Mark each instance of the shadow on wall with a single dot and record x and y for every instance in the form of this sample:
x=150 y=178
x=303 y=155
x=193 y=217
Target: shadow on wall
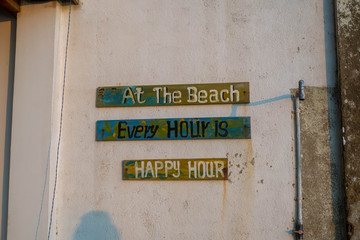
x=96 y=225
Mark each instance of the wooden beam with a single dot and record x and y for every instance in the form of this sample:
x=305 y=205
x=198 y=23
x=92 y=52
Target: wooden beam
x=10 y=5
x=66 y=2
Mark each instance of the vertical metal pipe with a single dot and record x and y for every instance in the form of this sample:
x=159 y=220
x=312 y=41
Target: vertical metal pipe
x=299 y=221
x=300 y=95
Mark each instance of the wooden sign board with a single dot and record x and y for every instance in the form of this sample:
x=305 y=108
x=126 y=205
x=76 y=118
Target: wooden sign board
x=170 y=95
x=174 y=129
x=176 y=169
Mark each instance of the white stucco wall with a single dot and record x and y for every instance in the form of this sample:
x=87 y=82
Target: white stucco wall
x=271 y=44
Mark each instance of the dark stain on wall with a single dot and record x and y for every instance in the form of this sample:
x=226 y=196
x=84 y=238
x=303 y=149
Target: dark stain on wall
x=348 y=46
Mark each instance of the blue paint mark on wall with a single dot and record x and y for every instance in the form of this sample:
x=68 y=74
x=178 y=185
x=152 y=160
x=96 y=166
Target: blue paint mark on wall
x=274 y=99
x=96 y=225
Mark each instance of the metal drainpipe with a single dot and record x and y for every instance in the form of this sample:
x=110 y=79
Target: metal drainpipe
x=299 y=230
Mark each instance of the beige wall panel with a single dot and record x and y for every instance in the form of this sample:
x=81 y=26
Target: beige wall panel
x=5 y=29
x=31 y=127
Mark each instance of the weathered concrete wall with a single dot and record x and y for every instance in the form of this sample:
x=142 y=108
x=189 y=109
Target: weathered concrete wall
x=348 y=37
x=316 y=168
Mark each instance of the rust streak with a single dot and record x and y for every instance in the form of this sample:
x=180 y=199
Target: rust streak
x=223 y=210
x=223 y=202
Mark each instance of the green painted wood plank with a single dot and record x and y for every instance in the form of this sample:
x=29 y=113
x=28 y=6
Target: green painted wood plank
x=174 y=129
x=176 y=169
x=171 y=95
